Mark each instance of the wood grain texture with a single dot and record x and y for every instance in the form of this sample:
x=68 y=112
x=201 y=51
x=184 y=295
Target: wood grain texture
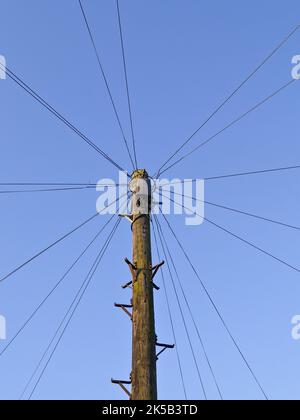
x=144 y=381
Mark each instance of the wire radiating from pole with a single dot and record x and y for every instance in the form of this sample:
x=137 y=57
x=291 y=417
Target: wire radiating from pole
x=106 y=81
x=3 y=192
x=53 y=244
x=240 y=238
x=216 y=309
x=46 y=105
x=190 y=312
x=244 y=213
x=257 y=248
x=181 y=311
x=236 y=175
x=60 y=184
x=237 y=120
x=34 y=313
x=258 y=172
x=170 y=317
x=127 y=85
x=253 y=73
x=70 y=312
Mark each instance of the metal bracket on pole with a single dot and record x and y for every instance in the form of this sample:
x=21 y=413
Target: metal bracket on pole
x=122 y=385
x=125 y=309
x=164 y=348
x=134 y=271
x=155 y=287
x=156 y=268
x=154 y=272
x=132 y=268
x=129 y=284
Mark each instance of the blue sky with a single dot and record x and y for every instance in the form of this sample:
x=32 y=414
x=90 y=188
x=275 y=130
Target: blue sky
x=184 y=58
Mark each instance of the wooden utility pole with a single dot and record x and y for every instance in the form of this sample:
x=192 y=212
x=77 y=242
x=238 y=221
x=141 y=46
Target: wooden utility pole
x=144 y=341
x=143 y=377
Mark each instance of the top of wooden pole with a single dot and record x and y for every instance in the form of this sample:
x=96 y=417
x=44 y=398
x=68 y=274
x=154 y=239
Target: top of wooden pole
x=140 y=173
x=140 y=186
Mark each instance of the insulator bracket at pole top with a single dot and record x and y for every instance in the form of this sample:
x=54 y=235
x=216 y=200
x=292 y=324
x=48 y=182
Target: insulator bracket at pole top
x=128 y=217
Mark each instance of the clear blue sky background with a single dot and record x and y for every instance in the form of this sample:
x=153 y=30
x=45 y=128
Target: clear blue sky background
x=184 y=57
